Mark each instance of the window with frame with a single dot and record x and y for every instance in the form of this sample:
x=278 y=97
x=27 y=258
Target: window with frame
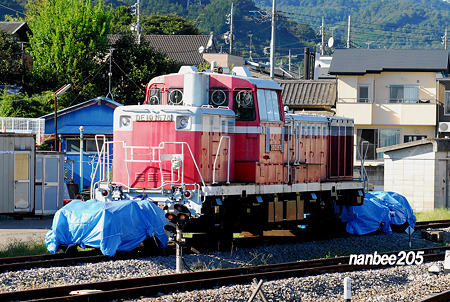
x=269 y=107
x=447 y=102
x=376 y=138
x=412 y=138
x=363 y=93
x=218 y=96
x=175 y=96
x=89 y=145
x=244 y=105
x=154 y=96
x=403 y=94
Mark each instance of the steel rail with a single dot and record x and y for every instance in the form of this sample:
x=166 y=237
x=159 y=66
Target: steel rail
x=150 y=286
x=432 y=224
x=48 y=260
x=441 y=297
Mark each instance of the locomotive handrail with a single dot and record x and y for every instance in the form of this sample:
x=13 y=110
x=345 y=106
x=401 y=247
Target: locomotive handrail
x=102 y=157
x=101 y=154
x=217 y=155
x=161 y=145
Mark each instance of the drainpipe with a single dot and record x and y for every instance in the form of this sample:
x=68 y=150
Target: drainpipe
x=81 y=158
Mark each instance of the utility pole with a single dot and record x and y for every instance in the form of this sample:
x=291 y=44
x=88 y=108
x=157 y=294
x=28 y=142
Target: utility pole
x=322 y=33
x=272 y=42
x=289 y=60
x=250 y=52
x=348 y=33
x=444 y=39
x=231 y=29
x=136 y=10
x=139 y=21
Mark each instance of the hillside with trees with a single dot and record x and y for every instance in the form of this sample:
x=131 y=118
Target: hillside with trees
x=374 y=23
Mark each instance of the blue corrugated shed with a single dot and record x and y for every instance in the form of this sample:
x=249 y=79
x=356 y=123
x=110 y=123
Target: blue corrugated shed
x=96 y=116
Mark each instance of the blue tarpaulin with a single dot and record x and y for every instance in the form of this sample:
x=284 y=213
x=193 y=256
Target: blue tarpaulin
x=379 y=211
x=110 y=226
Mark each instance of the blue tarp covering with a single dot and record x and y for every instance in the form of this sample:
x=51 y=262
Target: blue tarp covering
x=379 y=211
x=110 y=226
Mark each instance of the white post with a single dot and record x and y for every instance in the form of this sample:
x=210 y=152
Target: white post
x=348 y=33
x=179 y=251
x=347 y=289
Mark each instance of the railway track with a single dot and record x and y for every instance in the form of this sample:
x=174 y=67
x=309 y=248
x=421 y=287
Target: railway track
x=432 y=224
x=63 y=259
x=441 y=297
x=151 y=286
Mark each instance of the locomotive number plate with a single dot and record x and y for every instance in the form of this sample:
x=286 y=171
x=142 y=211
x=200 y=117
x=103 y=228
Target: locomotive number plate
x=153 y=117
x=275 y=147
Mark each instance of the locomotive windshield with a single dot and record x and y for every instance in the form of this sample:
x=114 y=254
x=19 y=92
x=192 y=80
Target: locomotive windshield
x=269 y=107
x=154 y=96
x=218 y=97
x=244 y=105
x=175 y=96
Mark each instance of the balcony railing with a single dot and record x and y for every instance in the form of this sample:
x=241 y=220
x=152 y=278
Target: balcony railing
x=386 y=112
x=385 y=101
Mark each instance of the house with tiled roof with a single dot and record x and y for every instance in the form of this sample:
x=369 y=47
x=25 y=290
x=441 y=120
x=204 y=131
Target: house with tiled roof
x=186 y=49
x=18 y=30
x=392 y=96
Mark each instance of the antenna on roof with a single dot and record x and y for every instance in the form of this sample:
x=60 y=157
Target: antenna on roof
x=109 y=95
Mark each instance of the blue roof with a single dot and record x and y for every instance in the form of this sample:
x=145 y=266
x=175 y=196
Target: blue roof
x=81 y=105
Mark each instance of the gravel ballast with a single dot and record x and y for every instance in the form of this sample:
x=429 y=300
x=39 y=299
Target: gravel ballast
x=394 y=283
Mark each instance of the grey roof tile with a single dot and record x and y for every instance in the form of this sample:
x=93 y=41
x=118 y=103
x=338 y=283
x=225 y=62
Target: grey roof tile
x=182 y=48
x=308 y=92
x=362 y=61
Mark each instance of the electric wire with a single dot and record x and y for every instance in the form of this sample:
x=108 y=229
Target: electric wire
x=19 y=12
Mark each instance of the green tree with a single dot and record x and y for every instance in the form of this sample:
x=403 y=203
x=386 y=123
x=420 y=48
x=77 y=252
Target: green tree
x=11 y=67
x=170 y=24
x=134 y=66
x=155 y=24
x=20 y=105
x=69 y=37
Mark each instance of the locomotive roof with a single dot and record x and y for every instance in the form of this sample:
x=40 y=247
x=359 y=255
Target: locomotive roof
x=258 y=82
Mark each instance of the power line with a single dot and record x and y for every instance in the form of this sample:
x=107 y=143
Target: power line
x=12 y=9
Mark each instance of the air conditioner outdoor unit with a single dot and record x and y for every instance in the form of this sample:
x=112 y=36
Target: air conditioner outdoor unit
x=444 y=127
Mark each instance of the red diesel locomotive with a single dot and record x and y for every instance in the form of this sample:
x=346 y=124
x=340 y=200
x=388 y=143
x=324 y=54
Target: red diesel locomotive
x=222 y=145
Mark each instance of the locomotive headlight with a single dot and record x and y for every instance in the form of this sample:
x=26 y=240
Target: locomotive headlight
x=125 y=121
x=182 y=122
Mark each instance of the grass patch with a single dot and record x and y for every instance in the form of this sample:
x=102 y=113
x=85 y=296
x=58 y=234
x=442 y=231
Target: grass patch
x=23 y=248
x=436 y=214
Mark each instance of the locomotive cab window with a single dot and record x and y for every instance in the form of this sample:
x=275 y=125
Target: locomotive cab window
x=218 y=97
x=244 y=105
x=175 y=96
x=154 y=96
x=269 y=107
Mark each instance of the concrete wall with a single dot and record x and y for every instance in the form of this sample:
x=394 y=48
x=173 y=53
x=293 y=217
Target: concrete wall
x=412 y=172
